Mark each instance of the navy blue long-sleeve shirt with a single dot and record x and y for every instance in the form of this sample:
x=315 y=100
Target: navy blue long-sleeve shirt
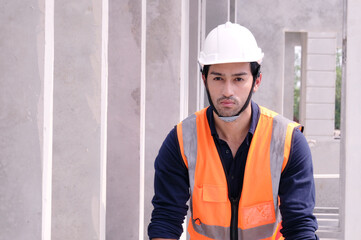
x=171 y=184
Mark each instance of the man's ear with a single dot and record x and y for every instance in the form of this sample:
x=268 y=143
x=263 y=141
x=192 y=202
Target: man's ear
x=204 y=80
x=257 y=83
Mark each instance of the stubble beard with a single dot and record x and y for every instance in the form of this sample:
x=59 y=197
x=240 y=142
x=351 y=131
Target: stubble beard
x=228 y=111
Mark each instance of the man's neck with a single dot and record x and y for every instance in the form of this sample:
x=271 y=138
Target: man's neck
x=234 y=132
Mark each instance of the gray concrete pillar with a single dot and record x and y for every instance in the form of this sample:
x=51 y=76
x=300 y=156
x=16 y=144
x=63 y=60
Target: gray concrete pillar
x=193 y=67
x=21 y=110
x=351 y=128
x=162 y=93
x=124 y=109
x=76 y=136
x=216 y=14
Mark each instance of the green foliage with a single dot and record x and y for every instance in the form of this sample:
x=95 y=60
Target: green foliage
x=297 y=85
x=338 y=89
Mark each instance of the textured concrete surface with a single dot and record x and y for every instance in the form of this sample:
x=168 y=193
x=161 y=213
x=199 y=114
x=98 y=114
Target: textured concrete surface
x=216 y=13
x=76 y=146
x=277 y=18
x=326 y=156
x=123 y=173
x=21 y=69
x=162 y=84
x=194 y=79
x=328 y=192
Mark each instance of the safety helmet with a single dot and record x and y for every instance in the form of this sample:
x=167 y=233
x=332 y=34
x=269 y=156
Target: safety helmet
x=230 y=43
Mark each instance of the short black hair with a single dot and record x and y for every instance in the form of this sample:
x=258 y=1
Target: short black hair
x=255 y=70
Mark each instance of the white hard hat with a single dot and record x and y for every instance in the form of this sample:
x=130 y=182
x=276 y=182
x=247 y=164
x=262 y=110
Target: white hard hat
x=229 y=43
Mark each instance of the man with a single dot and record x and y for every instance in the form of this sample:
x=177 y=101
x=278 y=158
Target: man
x=240 y=164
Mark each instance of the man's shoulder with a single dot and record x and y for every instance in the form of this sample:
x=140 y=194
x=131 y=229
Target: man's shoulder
x=204 y=111
x=271 y=113
x=267 y=112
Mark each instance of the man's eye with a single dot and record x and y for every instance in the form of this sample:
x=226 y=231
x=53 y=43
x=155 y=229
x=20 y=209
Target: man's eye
x=217 y=78
x=239 y=79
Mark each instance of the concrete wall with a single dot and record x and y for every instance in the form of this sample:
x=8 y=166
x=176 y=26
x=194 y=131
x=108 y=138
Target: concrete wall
x=194 y=79
x=270 y=22
x=76 y=135
x=162 y=92
x=21 y=110
x=124 y=107
x=143 y=83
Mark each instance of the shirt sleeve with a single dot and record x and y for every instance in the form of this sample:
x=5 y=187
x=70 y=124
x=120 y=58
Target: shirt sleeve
x=297 y=192
x=171 y=191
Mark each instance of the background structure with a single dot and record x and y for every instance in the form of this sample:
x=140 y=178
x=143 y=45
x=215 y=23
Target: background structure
x=89 y=90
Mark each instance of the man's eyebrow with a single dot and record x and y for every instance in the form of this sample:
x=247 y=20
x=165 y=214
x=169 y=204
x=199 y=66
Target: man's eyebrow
x=233 y=75
x=217 y=73
x=239 y=74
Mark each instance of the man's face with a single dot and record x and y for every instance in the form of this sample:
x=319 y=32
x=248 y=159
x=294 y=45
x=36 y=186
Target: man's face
x=229 y=85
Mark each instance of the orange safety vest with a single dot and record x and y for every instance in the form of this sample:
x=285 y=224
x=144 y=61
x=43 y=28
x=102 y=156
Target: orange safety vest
x=211 y=209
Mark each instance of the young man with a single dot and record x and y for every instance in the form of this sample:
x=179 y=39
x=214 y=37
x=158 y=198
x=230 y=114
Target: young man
x=240 y=164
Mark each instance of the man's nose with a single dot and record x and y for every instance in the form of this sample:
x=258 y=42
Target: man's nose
x=227 y=89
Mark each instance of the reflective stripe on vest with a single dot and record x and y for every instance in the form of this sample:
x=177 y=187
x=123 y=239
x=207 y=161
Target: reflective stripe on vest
x=279 y=148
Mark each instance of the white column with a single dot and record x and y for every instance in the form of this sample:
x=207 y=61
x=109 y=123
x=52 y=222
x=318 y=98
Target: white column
x=320 y=85
x=48 y=120
x=351 y=128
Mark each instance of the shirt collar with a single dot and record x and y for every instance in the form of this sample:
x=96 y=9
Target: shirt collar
x=252 y=128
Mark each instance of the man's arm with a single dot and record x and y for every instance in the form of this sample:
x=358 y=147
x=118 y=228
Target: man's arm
x=171 y=191
x=297 y=192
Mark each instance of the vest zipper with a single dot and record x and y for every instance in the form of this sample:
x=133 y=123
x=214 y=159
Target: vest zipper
x=234 y=201
x=234 y=218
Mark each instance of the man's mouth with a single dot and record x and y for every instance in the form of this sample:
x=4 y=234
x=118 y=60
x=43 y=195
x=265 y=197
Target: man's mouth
x=227 y=103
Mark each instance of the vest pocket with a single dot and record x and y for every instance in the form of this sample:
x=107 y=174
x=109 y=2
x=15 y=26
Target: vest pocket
x=214 y=193
x=257 y=215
